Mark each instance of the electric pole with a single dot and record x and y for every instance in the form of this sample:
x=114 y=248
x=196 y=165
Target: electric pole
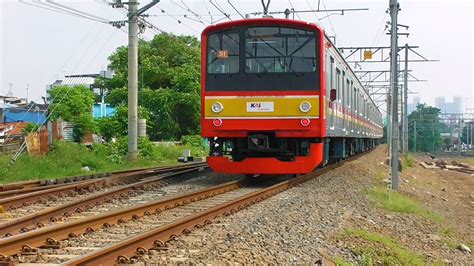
x=132 y=79
x=133 y=30
x=414 y=136
x=405 y=105
x=459 y=133
x=394 y=88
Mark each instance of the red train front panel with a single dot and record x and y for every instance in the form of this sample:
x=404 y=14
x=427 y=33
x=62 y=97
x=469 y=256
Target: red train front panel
x=262 y=96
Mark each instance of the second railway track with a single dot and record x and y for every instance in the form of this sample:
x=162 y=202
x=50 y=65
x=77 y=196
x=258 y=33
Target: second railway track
x=36 y=216
x=53 y=192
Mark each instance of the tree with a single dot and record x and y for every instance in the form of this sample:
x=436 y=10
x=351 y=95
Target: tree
x=428 y=137
x=169 y=78
x=171 y=114
x=117 y=125
x=73 y=104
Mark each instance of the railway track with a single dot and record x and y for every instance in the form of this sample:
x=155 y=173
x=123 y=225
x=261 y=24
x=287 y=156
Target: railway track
x=19 y=188
x=82 y=187
x=130 y=234
x=58 y=211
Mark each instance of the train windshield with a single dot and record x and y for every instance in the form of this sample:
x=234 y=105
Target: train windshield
x=263 y=58
x=278 y=49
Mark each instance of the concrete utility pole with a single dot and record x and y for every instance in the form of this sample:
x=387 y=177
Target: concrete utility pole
x=394 y=87
x=132 y=79
x=459 y=133
x=414 y=136
x=405 y=105
x=133 y=14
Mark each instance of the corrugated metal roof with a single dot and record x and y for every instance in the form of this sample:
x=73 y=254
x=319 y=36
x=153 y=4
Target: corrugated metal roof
x=7 y=105
x=71 y=81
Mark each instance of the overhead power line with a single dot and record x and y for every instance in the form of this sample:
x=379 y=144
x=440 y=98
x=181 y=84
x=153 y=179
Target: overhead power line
x=91 y=16
x=53 y=8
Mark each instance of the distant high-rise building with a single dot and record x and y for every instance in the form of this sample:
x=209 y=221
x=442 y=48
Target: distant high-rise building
x=412 y=106
x=456 y=106
x=440 y=102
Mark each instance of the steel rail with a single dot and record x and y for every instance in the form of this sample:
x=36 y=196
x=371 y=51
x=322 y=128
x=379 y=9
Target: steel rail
x=14 y=189
x=37 y=238
x=28 y=198
x=128 y=250
x=25 y=223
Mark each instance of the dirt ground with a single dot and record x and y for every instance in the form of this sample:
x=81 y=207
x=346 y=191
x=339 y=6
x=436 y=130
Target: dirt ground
x=332 y=220
x=449 y=193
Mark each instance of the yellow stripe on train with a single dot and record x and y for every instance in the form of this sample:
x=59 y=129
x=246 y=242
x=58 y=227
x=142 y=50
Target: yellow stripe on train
x=261 y=106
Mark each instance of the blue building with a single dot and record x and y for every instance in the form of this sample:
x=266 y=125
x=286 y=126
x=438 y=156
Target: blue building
x=103 y=110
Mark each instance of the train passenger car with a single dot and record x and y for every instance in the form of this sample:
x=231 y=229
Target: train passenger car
x=278 y=98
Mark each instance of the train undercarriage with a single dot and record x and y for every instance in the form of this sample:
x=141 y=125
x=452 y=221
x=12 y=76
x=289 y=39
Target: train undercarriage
x=264 y=153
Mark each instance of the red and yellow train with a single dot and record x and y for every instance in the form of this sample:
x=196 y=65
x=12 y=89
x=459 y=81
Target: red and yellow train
x=278 y=98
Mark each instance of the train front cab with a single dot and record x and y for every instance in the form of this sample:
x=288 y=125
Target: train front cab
x=261 y=106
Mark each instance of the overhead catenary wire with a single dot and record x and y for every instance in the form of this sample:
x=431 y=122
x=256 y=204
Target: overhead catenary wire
x=217 y=6
x=236 y=10
x=329 y=18
x=311 y=8
x=293 y=8
x=186 y=8
x=178 y=20
x=380 y=32
x=208 y=11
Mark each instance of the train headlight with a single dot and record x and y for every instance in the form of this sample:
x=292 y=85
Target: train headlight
x=217 y=107
x=305 y=107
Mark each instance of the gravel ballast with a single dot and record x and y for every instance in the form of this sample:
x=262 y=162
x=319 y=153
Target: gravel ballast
x=302 y=225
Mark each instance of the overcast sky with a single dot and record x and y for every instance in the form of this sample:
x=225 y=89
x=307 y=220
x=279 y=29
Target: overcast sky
x=39 y=46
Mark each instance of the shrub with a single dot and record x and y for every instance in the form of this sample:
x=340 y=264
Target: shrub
x=193 y=141
x=31 y=127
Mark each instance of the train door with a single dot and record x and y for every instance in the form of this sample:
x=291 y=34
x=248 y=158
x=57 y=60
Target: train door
x=344 y=104
x=352 y=106
x=358 y=111
x=331 y=86
x=348 y=106
x=338 y=100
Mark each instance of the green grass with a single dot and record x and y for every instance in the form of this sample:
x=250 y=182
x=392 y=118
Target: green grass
x=66 y=159
x=377 y=249
x=408 y=161
x=468 y=160
x=397 y=202
x=380 y=176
